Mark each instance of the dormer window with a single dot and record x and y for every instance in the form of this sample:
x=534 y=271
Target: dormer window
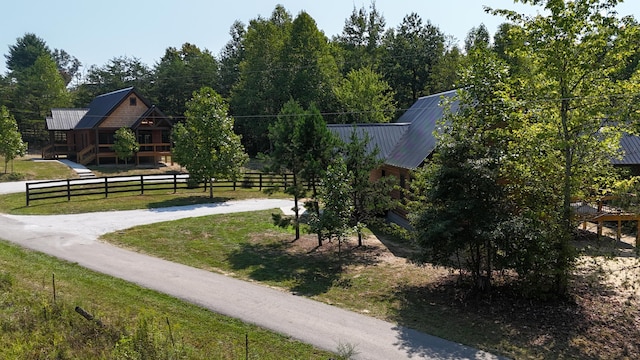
x=133 y=101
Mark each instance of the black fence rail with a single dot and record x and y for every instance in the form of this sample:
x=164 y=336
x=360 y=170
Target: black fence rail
x=139 y=184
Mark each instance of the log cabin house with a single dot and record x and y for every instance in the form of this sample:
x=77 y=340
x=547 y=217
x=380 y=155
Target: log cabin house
x=87 y=135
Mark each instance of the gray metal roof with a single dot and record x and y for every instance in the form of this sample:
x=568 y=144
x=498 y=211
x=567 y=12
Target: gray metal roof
x=418 y=142
x=383 y=136
x=630 y=145
x=65 y=119
x=104 y=104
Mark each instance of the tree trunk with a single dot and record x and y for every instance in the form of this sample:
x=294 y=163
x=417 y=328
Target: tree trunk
x=210 y=188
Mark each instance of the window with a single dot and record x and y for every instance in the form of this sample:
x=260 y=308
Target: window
x=133 y=101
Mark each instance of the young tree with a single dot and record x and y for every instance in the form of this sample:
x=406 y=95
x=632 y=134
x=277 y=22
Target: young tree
x=11 y=144
x=366 y=198
x=284 y=156
x=206 y=144
x=365 y=97
x=334 y=220
x=302 y=144
x=125 y=144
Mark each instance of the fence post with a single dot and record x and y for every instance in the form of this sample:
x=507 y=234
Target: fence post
x=260 y=183
x=285 y=180
x=142 y=184
x=106 y=188
x=27 y=192
x=234 y=184
x=175 y=183
x=68 y=190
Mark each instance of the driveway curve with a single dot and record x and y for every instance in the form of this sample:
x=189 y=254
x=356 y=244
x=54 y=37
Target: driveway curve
x=75 y=238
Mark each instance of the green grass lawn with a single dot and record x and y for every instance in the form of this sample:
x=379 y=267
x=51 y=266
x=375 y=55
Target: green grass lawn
x=371 y=281
x=16 y=203
x=29 y=168
x=136 y=322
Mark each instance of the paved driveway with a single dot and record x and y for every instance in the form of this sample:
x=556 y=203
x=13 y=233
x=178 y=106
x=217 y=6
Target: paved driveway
x=74 y=238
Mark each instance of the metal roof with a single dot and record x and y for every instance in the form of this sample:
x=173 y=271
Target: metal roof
x=104 y=104
x=383 y=136
x=630 y=145
x=418 y=142
x=65 y=119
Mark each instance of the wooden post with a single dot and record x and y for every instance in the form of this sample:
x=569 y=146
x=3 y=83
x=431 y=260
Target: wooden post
x=637 y=234
x=68 y=190
x=27 y=192
x=175 y=183
x=106 y=188
x=141 y=184
x=260 y=183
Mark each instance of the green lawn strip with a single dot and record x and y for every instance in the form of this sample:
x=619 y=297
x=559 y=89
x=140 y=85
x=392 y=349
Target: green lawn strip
x=249 y=246
x=16 y=203
x=26 y=168
x=133 y=319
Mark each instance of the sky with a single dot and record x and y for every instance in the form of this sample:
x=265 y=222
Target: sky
x=97 y=31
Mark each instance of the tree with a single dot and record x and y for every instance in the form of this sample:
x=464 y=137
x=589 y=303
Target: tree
x=116 y=74
x=445 y=73
x=365 y=98
x=179 y=73
x=68 y=65
x=284 y=156
x=11 y=144
x=39 y=88
x=230 y=58
x=333 y=221
x=575 y=47
x=302 y=144
x=125 y=144
x=477 y=37
x=462 y=200
x=25 y=52
x=261 y=90
x=410 y=53
x=365 y=198
x=361 y=38
x=206 y=144
x=311 y=69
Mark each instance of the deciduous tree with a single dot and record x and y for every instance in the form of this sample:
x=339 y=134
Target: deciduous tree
x=11 y=144
x=410 y=53
x=206 y=144
x=575 y=47
x=365 y=97
x=179 y=73
x=125 y=144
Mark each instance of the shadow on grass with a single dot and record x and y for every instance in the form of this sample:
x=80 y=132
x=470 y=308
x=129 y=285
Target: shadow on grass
x=303 y=270
x=589 y=324
x=186 y=201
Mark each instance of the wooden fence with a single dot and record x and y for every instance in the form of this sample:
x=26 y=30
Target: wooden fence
x=139 y=184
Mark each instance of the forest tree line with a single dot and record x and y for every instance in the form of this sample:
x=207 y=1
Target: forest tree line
x=368 y=73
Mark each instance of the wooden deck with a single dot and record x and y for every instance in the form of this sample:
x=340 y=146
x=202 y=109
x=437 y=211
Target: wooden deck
x=598 y=212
